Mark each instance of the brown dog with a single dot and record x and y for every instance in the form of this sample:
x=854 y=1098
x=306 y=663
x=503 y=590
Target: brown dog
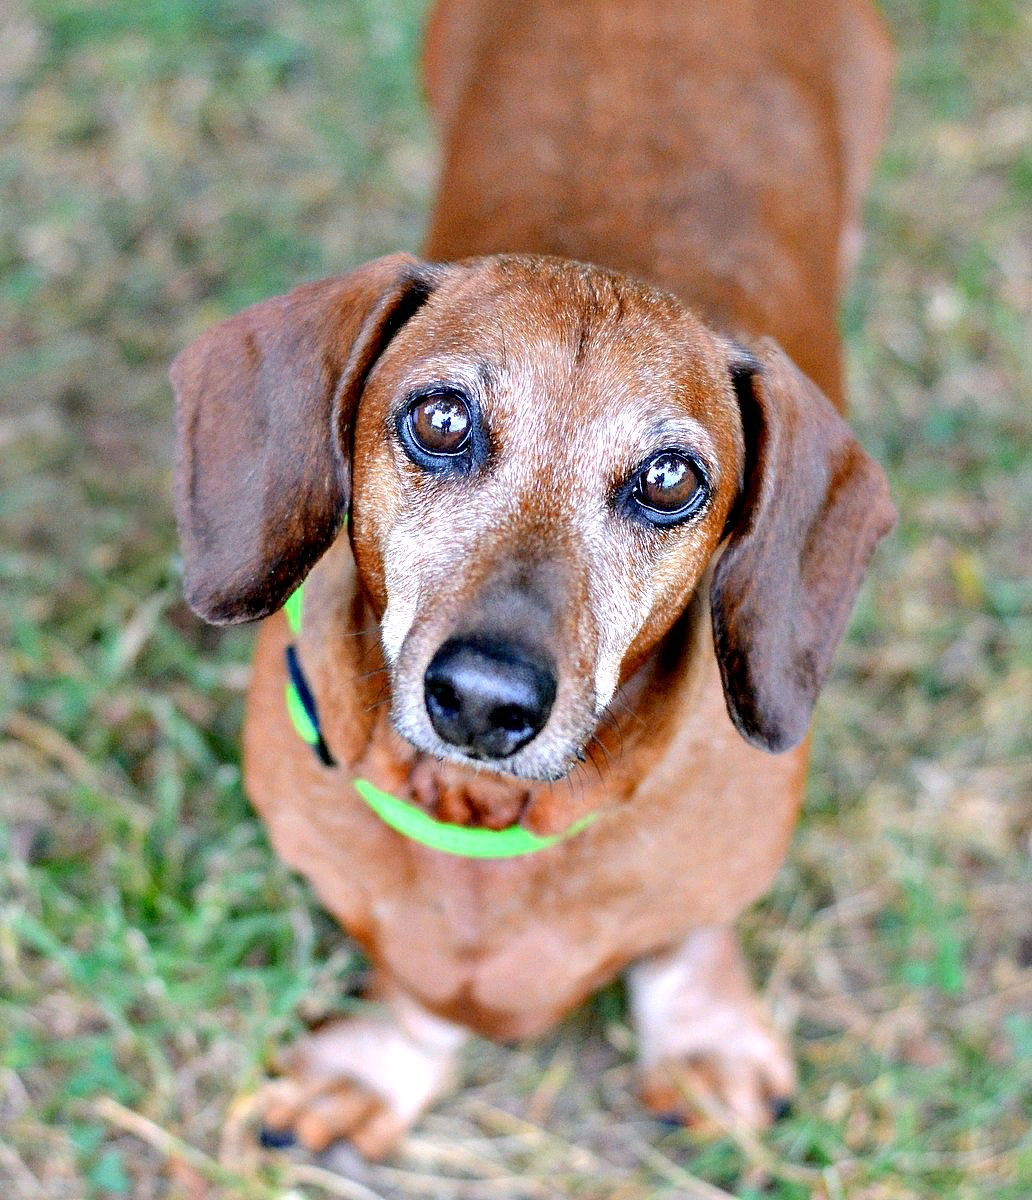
x=584 y=525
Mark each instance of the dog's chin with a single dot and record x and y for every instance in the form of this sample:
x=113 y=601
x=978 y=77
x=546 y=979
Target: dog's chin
x=532 y=764
x=510 y=768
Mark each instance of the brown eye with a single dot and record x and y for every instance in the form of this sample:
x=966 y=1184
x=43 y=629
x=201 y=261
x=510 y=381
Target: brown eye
x=671 y=486
x=440 y=424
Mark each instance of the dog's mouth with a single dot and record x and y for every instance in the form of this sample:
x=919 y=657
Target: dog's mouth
x=481 y=813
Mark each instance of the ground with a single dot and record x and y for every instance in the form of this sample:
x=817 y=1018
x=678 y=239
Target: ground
x=166 y=162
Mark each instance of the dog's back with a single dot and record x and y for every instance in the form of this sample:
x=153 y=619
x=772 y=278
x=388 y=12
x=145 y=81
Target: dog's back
x=719 y=151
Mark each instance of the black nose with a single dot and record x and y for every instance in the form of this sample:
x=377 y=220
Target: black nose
x=487 y=696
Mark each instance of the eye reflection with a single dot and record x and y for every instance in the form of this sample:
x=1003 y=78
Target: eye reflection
x=670 y=483
x=440 y=424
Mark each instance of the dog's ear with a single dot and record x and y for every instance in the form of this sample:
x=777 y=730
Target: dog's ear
x=812 y=509
x=265 y=402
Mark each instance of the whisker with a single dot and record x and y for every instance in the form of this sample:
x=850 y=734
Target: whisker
x=621 y=700
x=366 y=632
x=605 y=751
x=618 y=729
x=591 y=758
x=378 y=702
x=585 y=782
x=575 y=780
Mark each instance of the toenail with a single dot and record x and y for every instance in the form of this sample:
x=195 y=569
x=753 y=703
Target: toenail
x=780 y=1108
x=275 y=1139
x=672 y=1120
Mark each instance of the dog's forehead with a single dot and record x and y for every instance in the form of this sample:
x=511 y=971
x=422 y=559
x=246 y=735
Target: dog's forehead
x=536 y=307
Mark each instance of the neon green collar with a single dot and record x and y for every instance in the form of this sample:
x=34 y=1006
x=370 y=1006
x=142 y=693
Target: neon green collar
x=405 y=818
x=468 y=842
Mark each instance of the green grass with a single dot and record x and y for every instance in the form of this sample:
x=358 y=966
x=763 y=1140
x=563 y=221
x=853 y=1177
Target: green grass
x=164 y=164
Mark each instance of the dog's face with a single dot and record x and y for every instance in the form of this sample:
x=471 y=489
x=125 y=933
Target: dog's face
x=540 y=460
x=544 y=460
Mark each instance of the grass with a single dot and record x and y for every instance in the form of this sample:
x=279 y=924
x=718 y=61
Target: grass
x=164 y=164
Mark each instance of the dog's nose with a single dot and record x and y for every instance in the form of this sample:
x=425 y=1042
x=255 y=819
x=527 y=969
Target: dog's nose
x=486 y=696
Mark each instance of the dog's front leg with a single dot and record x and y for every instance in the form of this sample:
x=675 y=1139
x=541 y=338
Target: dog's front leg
x=704 y=1035
x=365 y=1077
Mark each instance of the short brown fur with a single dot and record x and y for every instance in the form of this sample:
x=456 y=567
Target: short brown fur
x=719 y=153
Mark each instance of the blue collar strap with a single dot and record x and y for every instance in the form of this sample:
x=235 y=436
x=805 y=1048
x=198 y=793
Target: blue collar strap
x=303 y=713
x=407 y=819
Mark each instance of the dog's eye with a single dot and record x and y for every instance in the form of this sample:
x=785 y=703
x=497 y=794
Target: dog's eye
x=439 y=431
x=440 y=424
x=670 y=487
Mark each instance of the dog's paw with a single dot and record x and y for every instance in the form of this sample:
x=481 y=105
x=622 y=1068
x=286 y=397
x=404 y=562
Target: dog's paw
x=364 y=1078
x=726 y=1086
x=707 y=1051
x=317 y=1115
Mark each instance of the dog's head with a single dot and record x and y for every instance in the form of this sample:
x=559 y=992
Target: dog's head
x=541 y=460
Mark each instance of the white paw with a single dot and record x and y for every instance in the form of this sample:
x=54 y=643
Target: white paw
x=704 y=1037
x=366 y=1078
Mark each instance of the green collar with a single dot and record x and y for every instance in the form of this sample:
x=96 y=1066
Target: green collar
x=407 y=819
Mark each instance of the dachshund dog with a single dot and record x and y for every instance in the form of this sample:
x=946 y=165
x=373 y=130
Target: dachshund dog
x=578 y=541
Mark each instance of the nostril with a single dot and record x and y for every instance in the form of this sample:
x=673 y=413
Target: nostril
x=511 y=718
x=444 y=695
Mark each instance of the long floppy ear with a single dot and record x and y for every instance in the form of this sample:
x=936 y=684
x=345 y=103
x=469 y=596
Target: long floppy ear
x=265 y=402
x=813 y=508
